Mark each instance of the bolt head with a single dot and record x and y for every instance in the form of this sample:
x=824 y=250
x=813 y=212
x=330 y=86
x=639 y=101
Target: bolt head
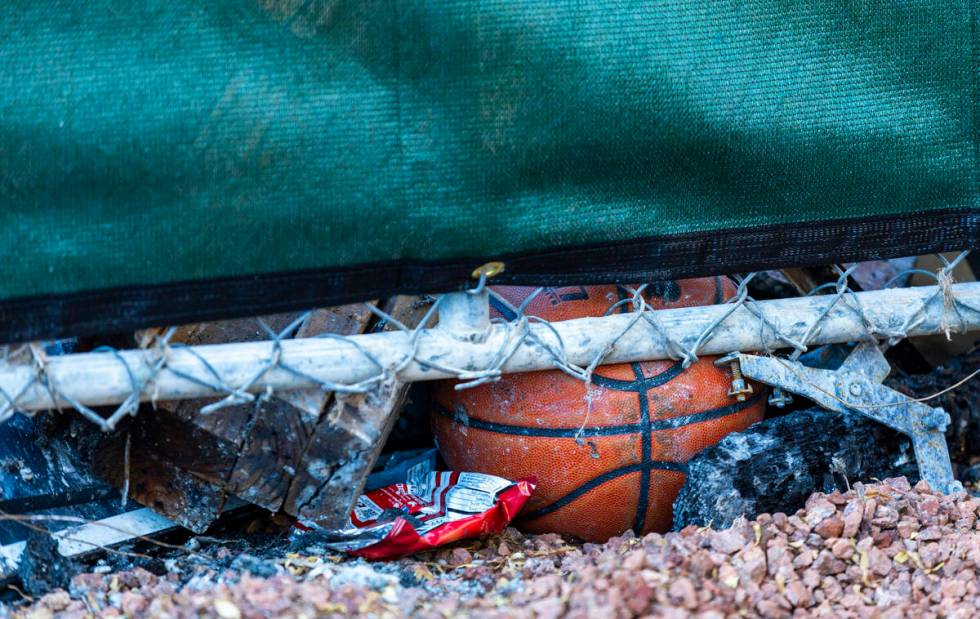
x=854 y=389
x=779 y=398
x=740 y=389
x=938 y=419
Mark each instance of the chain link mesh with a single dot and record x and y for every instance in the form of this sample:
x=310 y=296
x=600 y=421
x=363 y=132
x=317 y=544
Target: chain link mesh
x=158 y=350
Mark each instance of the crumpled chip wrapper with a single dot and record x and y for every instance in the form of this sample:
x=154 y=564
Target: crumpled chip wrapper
x=432 y=508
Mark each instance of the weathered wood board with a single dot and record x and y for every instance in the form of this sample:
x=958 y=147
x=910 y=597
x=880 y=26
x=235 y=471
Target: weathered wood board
x=184 y=463
x=348 y=440
x=287 y=452
x=179 y=460
x=280 y=429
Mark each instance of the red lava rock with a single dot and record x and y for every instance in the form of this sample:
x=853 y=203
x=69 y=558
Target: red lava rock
x=878 y=562
x=928 y=507
x=798 y=594
x=966 y=522
x=56 y=600
x=460 y=556
x=885 y=517
x=832 y=526
x=549 y=608
x=682 y=592
x=898 y=483
x=753 y=564
x=827 y=564
x=870 y=506
x=884 y=539
x=930 y=534
x=818 y=508
x=907 y=527
x=727 y=541
x=132 y=603
x=728 y=576
x=634 y=560
x=771 y=609
x=811 y=578
x=780 y=521
x=805 y=558
x=842 y=549
x=922 y=487
x=953 y=589
x=777 y=555
x=831 y=588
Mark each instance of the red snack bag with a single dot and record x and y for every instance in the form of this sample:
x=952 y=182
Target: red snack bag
x=431 y=509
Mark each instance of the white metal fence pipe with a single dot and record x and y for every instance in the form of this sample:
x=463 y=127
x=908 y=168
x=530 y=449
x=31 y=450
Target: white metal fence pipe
x=104 y=378
x=465 y=312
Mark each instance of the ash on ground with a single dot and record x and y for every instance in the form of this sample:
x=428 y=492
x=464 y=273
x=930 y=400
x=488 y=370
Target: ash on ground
x=883 y=550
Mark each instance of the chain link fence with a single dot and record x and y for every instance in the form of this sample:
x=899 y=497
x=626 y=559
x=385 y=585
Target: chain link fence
x=27 y=367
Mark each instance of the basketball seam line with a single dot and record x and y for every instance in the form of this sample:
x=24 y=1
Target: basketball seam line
x=597 y=431
x=598 y=480
x=641 y=381
x=646 y=455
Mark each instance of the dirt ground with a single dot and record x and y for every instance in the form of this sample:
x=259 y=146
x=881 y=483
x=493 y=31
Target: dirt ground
x=882 y=550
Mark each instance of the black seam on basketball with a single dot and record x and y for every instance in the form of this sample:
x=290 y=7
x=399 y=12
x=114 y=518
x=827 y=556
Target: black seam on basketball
x=646 y=455
x=641 y=382
x=598 y=481
x=719 y=291
x=597 y=431
x=708 y=415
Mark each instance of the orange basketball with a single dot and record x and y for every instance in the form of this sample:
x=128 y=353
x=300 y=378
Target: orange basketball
x=617 y=466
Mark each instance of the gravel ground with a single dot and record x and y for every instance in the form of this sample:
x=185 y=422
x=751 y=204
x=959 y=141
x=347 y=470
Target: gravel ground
x=882 y=550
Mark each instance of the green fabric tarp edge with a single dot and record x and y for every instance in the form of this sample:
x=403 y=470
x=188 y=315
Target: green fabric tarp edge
x=125 y=309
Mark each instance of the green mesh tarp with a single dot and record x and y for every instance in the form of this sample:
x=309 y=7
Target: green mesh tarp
x=172 y=161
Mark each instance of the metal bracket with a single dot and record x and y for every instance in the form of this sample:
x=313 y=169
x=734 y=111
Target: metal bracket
x=856 y=387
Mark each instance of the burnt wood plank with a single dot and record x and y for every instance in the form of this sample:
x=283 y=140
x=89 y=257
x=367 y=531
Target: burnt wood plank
x=180 y=459
x=281 y=427
x=160 y=484
x=348 y=439
x=184 y=463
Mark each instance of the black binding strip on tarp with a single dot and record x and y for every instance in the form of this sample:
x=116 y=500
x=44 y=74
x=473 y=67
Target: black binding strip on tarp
x=122 y=309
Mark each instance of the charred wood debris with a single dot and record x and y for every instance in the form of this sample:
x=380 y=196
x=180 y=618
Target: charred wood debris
x=225 y=489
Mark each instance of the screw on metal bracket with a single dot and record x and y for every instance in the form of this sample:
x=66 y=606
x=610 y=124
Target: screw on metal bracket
x=740 y=388
x=780 y=398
